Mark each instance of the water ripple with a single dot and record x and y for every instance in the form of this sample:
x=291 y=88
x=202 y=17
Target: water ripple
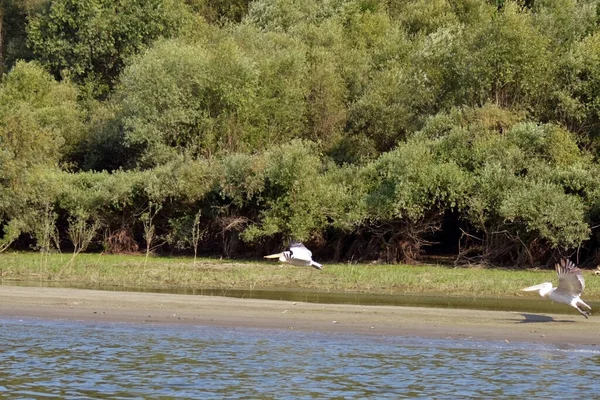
x=43 y=358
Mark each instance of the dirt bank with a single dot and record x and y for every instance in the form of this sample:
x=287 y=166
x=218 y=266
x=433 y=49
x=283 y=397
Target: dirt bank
x=94 y=305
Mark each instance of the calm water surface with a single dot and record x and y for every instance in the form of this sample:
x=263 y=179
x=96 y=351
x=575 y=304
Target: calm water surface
x=73 y=360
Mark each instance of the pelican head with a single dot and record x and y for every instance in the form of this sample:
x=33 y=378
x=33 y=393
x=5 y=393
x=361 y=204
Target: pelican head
x=544 y=288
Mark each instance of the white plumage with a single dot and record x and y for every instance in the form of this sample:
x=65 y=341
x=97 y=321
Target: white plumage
x=297 y=254
x=570 y=286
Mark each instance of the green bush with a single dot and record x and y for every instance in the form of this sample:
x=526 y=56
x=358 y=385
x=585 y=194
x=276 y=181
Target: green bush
x=407 y=192
x=294 y=197
x=544 y=212
x=42 y=122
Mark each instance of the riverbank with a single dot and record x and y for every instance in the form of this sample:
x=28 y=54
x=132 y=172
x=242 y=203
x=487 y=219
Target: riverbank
x=138 y=272
x=153 y=308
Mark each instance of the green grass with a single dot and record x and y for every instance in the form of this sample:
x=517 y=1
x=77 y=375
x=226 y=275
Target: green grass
x=133 y=271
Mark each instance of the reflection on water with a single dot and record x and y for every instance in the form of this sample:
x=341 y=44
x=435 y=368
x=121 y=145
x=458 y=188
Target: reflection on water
x=531 y=303
x=116 y=360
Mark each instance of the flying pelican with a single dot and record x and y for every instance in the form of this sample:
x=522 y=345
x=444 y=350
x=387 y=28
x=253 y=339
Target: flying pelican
x=297 y=255
x=570 y=287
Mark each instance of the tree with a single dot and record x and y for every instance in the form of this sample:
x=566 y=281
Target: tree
x=407 y=192
x=40 y=126
x=529 y=185
x=90 y=40
x=13 y=35
x=239 y=94
x=41 y=120
x=543 y=213
x=565 y=22
x=504 y=60
x=422 y=16
x=187 y=99
x=294 y=205
x=220 y=11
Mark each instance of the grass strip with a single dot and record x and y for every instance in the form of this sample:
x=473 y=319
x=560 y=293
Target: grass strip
x=135 y=271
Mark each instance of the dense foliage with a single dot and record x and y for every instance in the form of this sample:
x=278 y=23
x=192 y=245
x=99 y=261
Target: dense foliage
x=372 y=129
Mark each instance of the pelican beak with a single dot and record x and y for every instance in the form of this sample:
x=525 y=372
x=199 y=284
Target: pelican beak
x=274 y=255
x=533 y=288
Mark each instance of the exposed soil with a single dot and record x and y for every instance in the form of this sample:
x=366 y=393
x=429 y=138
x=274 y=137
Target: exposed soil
x=95 y=305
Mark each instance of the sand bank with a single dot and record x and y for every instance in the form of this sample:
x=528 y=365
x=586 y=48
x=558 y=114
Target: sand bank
x=94 y=305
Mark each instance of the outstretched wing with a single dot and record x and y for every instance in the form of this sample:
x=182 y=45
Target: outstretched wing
x=300 y=252
x=570 y=278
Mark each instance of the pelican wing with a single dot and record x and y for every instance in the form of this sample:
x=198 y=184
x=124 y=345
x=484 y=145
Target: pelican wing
x=299 y=252
x=570 y=278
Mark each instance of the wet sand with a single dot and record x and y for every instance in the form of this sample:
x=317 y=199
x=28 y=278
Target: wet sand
x=151 y=308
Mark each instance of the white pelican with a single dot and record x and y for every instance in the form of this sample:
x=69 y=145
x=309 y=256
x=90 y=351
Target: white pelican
x=297 y=255
x=570 y=287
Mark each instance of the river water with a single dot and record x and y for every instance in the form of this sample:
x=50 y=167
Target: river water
x=42 y=358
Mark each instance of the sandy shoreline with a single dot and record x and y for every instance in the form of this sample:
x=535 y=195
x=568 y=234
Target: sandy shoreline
x=94 y=305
